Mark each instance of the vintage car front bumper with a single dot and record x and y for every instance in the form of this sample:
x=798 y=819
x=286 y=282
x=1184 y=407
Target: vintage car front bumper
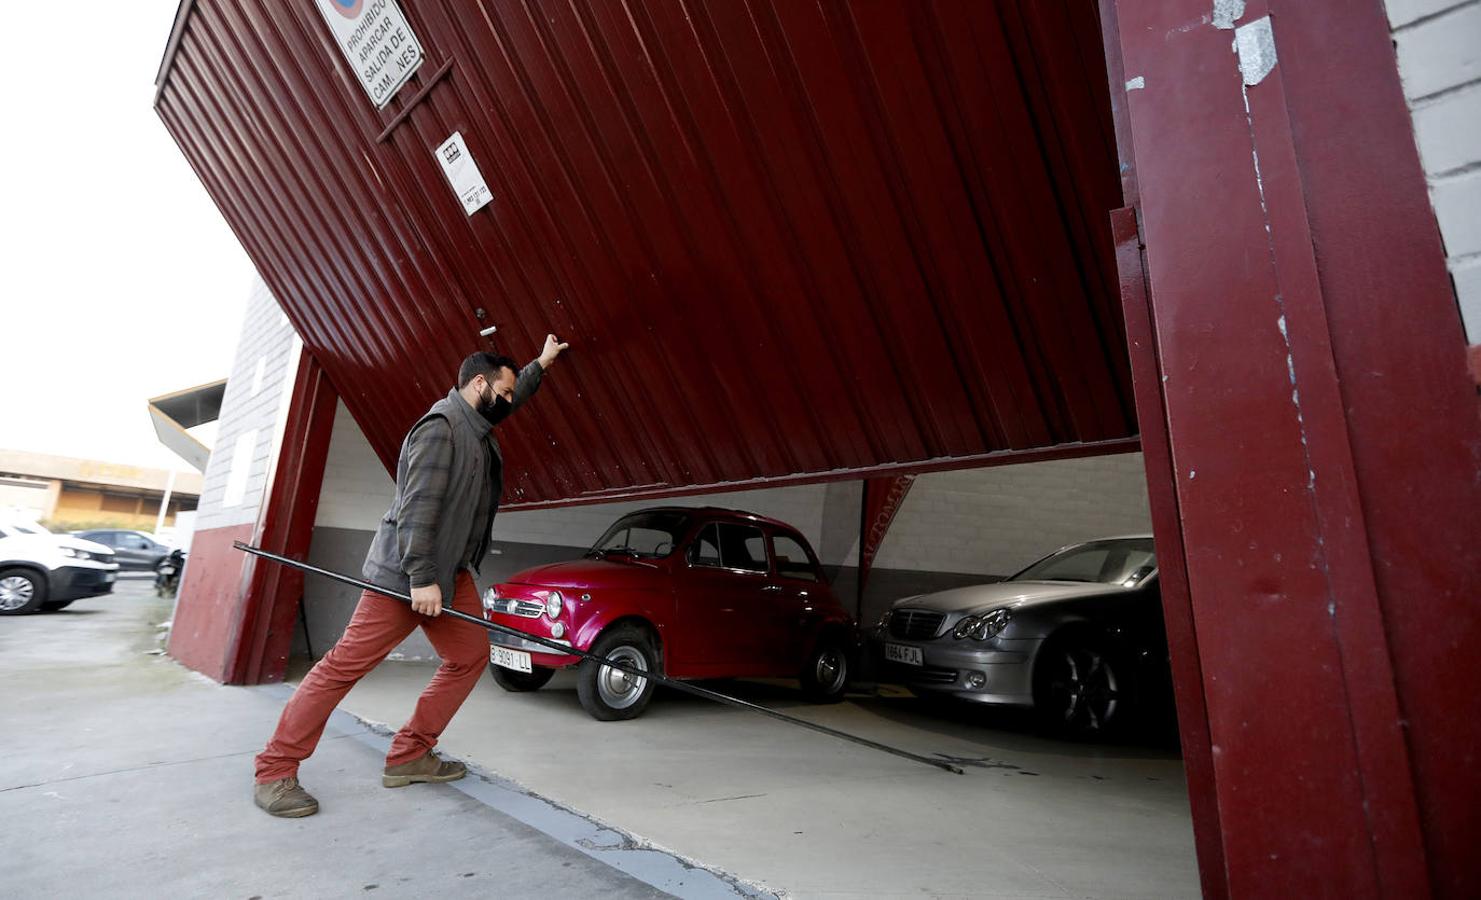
x=540 y=654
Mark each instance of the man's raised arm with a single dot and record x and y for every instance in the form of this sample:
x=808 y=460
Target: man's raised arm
x=529 y=376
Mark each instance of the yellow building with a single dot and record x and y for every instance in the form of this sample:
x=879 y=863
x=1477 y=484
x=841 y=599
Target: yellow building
x=69 y=494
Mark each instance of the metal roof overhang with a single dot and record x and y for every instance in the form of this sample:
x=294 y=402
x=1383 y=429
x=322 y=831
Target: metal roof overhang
x=175 y=412
x=788 y=242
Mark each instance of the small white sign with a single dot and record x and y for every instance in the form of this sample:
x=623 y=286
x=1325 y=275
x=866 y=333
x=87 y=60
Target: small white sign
x=462 y=173
x=376 y=41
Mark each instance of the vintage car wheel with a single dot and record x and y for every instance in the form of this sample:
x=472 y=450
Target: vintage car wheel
x=825 y=674
x=22 y=592
x=519 y=682
x=608 y=694
x=1082 y=688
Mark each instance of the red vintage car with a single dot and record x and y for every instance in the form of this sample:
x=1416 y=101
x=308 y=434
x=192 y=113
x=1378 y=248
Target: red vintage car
x=691 y=593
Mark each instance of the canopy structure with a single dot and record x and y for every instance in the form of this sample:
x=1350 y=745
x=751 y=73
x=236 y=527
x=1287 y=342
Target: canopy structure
x=174 y=413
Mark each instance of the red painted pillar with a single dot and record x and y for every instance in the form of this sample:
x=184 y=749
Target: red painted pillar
x=236 y=616
x=1322 y=436
x=1182 y=638
x=285 y=526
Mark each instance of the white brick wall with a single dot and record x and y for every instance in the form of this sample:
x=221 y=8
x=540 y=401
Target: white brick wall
x=357 y=491
x=987 y=521
x=995 y=521
x=268 y=343
x=1438 y=43
x=984 y=521
x=580 y=526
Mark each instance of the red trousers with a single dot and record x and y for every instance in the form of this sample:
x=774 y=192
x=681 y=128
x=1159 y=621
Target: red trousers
x=379 y=624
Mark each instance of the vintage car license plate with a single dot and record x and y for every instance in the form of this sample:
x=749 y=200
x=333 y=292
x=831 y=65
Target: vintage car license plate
x=517 y=660
x=900 y=653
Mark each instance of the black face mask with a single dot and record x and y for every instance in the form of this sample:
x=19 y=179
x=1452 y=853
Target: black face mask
x=494 y=407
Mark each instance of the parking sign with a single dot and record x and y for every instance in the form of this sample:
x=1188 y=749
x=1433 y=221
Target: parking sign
x=377 y=42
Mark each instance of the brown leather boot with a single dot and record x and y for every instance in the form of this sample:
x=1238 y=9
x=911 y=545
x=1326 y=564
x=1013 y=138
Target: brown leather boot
x=284 y=798
x=428 y=768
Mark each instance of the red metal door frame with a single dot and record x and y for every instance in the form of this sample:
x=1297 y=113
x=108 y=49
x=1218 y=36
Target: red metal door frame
x=285 y=525
x=1182 y=639
x=1312 y=446
x=235 y=618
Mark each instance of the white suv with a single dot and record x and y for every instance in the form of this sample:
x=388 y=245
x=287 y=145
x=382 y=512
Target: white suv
x=41 y=570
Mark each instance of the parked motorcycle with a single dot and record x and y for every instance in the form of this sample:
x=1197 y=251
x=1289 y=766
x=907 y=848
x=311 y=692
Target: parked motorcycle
x=167 y=573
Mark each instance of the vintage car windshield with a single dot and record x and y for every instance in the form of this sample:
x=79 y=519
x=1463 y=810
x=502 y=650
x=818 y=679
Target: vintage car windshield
x=1125 y=562
x=643 y=535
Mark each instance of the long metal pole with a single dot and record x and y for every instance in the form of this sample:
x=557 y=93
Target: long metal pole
x=566 y=649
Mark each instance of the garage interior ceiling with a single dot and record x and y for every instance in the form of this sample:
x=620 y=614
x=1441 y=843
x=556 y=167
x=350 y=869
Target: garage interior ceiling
x=784 y=239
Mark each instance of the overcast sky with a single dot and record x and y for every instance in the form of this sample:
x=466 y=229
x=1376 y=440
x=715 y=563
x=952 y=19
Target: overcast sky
x=121 y=281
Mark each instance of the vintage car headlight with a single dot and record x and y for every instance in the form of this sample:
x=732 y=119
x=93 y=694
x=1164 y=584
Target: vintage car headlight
x=553 y=602
x=558 y=631
x=490 y=599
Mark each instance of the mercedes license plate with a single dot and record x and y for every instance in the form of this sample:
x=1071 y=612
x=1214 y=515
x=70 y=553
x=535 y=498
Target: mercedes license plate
x=900 y=653
x=518 y=660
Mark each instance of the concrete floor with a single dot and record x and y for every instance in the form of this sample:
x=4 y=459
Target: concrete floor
x=810 y=816
x=127 y=776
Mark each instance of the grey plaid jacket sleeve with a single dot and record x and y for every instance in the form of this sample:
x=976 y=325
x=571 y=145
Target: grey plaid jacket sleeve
x=527 y=384
x=428 y=468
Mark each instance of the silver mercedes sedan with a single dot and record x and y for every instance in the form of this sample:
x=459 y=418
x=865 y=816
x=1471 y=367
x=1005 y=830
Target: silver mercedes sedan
x=1077 y=636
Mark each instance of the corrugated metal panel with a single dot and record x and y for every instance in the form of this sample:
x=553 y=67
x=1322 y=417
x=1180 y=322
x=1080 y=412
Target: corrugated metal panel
x=784 y=238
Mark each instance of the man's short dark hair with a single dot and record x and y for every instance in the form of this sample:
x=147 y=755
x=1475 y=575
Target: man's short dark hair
x=485 y=364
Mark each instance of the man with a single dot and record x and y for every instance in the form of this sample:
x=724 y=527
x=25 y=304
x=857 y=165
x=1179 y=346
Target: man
x=448 y=481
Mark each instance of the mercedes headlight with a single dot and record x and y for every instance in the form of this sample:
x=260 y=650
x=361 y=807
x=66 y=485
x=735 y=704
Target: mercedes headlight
x=982 y=628
x=884 y=619
x=990 y=625
x=553 y=601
